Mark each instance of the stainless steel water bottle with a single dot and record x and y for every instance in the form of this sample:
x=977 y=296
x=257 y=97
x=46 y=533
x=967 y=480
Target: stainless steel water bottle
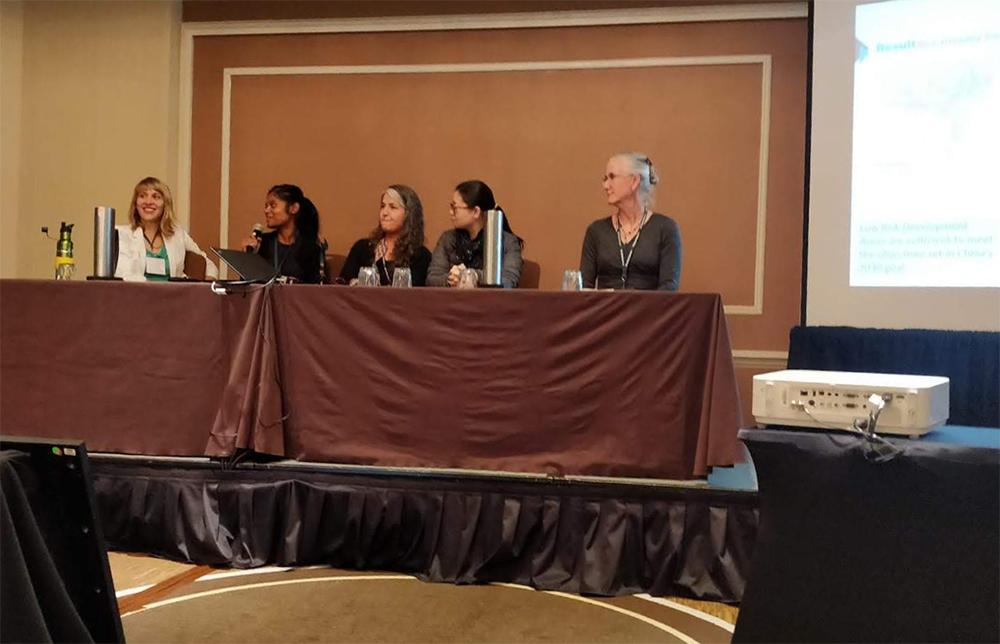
x=493 y=248
x=105 y=252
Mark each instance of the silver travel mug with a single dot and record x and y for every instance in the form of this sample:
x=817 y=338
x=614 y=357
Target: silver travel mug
x=105 y=252
x=493 y=248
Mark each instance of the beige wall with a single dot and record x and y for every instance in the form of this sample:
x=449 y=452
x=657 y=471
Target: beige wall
x=98 y=98
x=11 y=47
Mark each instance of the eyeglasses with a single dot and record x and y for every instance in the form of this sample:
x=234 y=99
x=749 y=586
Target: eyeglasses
x=455 y=207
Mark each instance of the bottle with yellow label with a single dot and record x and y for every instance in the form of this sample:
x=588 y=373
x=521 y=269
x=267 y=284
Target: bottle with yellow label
x=65 y=266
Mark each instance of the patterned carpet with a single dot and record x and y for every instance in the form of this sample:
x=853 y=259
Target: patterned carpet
x=163 y=601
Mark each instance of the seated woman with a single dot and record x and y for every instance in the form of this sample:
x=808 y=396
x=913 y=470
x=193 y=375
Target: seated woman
x=462 y=247
x=397 y=241
x=293 y=246
x=151 y=247
x=634 y=248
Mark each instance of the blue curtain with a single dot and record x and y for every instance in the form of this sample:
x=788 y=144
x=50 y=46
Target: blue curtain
x=971 y=359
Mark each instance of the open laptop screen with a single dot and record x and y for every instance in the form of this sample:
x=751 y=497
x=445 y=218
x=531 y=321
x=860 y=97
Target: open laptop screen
x=250 y=266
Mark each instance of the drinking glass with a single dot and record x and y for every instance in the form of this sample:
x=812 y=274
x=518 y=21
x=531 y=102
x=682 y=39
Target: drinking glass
x=401 y=278
x=469 y=278
x=572 y=281
x=368 y=276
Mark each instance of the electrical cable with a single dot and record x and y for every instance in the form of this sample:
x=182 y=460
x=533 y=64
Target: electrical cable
x=876 y=449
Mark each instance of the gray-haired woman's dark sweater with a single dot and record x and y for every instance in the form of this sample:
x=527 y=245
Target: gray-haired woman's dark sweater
x=656 y=260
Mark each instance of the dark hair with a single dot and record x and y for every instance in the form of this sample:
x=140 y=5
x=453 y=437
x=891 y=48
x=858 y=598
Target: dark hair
x=306 y=226
x=411 y=237
x=476 y=194
x=307 y=218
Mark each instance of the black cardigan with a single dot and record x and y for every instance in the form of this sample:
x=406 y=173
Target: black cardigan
x=363 y=254
x=302 y=262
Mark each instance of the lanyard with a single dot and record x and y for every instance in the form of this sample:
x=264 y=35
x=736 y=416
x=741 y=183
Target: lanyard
x=153 y=241
x=383 y=251
x=279 y=266
x=621 y=246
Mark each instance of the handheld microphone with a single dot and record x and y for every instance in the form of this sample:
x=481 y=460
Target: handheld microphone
x=256 y=233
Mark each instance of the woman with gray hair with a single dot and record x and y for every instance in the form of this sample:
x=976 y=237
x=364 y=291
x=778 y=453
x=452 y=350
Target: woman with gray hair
x=397 y=241
x=634 y=248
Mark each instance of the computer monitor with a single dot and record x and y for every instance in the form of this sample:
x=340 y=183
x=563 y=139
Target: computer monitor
x=48 y=489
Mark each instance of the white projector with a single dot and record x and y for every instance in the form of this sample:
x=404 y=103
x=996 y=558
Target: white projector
x=914 y=405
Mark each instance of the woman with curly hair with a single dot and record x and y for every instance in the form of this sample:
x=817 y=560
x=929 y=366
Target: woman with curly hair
x=397 y=241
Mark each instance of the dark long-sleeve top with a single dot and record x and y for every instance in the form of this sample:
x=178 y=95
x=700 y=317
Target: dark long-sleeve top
x=656 y=260
x=446 y=255
x=363 y=254
x=300 y=260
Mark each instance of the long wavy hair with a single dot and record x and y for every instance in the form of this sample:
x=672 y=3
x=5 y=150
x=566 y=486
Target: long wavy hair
x=167 y=224
x=411 y=236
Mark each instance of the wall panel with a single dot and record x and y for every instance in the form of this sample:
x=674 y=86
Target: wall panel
x=540 y=138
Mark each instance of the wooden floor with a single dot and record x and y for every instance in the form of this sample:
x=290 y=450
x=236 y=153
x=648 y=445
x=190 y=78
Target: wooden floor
x=132 y=571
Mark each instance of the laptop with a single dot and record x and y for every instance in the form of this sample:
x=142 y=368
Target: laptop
x=250 y=266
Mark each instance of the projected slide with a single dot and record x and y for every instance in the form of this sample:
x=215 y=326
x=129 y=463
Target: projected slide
x=925 y=192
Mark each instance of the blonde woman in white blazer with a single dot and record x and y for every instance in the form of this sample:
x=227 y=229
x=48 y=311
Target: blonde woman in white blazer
x=151 y=247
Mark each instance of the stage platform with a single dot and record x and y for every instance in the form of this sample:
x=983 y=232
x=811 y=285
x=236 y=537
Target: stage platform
x=586 y=535
x=580 y=534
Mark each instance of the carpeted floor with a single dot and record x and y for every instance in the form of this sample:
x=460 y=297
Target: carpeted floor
x=179 y=603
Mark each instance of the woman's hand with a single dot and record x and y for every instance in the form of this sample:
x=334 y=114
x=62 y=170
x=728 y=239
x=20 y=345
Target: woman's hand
x=455 y=274
x=250 y=242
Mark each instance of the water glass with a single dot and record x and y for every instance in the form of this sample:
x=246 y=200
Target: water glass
x=469 y=278
x=401 y=278
x=368 y=276
x=572 y=281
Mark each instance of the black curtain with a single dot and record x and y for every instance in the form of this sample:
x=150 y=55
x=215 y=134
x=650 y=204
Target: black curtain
x=970 y=359
x=34 y=599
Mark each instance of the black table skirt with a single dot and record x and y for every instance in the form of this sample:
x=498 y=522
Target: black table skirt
x=851 y=550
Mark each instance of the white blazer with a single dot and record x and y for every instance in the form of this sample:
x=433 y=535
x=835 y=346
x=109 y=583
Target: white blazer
x=132 y=254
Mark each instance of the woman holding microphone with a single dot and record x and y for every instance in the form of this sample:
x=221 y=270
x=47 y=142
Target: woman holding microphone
x=293 y=246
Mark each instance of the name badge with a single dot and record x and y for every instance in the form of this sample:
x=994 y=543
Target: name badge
x=156 y=266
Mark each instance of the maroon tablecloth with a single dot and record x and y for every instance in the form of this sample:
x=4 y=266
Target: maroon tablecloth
x=135 y=368
x=617 y=384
